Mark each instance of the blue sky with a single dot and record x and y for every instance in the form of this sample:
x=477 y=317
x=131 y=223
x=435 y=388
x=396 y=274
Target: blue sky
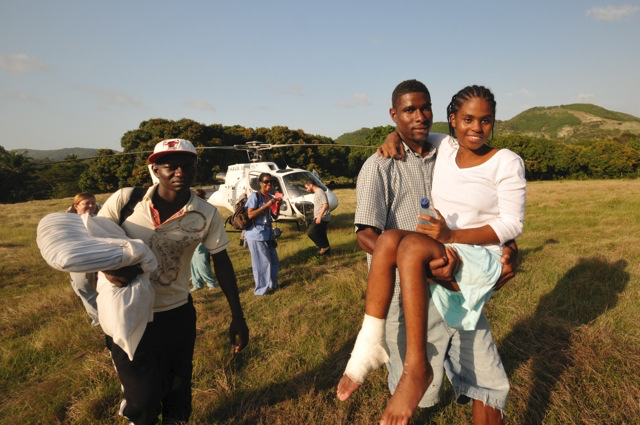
x=81 y=73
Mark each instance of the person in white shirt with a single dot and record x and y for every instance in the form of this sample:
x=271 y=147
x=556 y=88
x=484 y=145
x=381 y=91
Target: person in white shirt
x=317 y=231
x=172 y=221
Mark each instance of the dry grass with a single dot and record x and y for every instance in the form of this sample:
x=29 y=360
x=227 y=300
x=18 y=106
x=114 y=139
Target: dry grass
x=566 y=326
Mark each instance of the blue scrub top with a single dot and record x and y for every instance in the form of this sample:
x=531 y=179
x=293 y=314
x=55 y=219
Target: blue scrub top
x=260 y=229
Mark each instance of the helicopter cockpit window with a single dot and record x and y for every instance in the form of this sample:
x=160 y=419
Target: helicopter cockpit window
x=294 y=183
x=254 y=183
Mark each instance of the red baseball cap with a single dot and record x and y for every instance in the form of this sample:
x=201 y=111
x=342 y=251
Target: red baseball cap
x=172 y=146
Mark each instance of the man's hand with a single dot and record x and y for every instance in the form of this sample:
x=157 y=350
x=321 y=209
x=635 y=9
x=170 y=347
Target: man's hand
x=444 y=268
x=239 y=329
x=123 y=277
x=509 y=262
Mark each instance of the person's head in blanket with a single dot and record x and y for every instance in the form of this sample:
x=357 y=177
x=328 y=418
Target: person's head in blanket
x=174 y=163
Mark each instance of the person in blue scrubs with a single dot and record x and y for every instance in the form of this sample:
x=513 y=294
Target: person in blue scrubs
x=262 y=208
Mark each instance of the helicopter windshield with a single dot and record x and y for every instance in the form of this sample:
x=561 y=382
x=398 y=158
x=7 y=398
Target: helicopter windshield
x=294 y=183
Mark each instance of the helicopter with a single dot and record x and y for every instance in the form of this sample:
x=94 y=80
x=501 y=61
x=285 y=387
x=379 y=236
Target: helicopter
x=240 y=179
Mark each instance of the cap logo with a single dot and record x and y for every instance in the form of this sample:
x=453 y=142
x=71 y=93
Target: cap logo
x=172 y=144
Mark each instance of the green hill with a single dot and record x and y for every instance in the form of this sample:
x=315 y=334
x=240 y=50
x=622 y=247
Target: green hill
x=57 y=154
x=575 y=121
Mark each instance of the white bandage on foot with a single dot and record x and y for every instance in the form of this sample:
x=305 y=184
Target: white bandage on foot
x=370 y=350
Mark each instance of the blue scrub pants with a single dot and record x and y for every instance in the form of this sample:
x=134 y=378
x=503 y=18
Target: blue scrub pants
x=265 y=265
x=84 y=285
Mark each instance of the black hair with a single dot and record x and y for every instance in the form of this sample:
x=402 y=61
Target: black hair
x=263 y=175
x=466 y=94
x=408 y=86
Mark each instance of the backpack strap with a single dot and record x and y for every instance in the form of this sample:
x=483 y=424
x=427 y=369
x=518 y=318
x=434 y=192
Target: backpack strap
x=136 y=196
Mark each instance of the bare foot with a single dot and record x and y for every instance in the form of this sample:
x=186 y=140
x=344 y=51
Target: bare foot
x=346 y=387
x=408 y=393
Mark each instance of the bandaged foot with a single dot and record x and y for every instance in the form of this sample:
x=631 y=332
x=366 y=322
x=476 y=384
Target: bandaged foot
x=369 y=353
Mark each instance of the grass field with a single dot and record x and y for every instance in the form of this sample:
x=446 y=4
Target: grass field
x=566 y=326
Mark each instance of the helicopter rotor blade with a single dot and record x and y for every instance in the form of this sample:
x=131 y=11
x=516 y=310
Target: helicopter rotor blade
x=312 y=145
x=251 y=146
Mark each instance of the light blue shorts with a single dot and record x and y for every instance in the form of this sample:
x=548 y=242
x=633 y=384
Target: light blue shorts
x=478 y=273
x=469 y=358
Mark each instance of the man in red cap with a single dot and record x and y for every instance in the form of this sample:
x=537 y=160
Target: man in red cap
x=172 y=221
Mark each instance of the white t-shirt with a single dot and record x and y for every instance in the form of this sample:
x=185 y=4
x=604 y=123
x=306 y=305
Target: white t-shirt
x=491 y=193
x=173 y=242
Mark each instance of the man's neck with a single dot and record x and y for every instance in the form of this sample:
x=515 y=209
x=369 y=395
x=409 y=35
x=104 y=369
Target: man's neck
x=168 y=202
x=423 y=149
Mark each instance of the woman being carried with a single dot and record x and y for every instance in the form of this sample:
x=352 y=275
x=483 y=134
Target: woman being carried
x=479 y=193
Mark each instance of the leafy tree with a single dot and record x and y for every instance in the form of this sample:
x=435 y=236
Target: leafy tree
x=110 y=171
x=60 y=180
x=538 y=154
x=16 y=177
x=606 y=159
x=570 y=162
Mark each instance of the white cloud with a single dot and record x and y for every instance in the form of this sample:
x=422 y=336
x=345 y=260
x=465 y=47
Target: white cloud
x=118 y=98
x=525 y=93
x=21 y=64
x=612 y=13
x=19 y=96
x=586 y=97
x=293 y=90
x=358 y=99
x=110 y=97
x=201 y=105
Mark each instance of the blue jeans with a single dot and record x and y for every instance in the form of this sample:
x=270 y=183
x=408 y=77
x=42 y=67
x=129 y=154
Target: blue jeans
x=469 y=358
x=201 y=269
x=84 y=285
x=265 y=265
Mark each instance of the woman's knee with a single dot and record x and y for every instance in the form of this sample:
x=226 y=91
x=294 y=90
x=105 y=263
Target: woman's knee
x=388 y=241
x=416 y=244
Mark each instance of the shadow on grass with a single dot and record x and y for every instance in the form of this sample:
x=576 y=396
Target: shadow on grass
x=524 y=253
x=586 y=291
x=247 y=406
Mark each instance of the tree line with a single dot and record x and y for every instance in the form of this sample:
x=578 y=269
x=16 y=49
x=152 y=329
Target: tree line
x=23 y=179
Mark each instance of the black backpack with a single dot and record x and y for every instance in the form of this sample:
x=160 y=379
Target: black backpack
x=136 y=196
x=240 y=218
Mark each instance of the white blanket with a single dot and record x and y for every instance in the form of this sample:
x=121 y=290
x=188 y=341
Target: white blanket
x=85 y=244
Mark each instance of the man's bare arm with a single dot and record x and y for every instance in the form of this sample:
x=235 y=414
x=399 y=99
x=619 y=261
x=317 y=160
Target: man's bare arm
x=238 y=330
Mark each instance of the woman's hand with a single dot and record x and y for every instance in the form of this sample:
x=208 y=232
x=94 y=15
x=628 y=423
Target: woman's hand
x=437 y=229
x=392 y=147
